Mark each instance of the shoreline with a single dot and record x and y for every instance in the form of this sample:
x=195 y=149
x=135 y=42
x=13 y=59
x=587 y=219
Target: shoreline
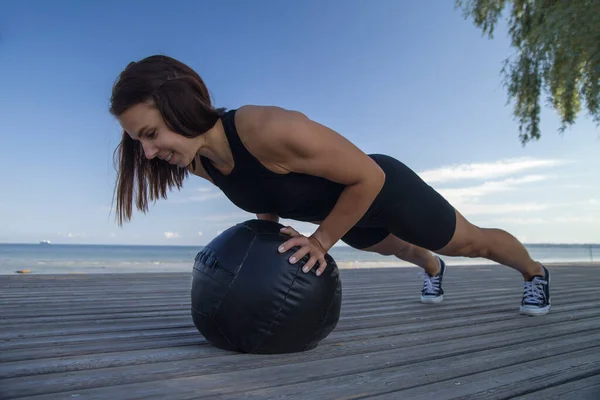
x=343 y=265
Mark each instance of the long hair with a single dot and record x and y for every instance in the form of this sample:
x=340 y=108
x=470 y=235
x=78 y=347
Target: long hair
x=183 y=100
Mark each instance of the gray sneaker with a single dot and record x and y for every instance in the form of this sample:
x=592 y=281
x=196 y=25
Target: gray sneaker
x=432 y=291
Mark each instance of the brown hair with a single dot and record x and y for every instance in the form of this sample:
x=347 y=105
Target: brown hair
x=184 y=103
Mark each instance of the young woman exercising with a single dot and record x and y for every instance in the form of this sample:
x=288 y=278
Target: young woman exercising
x=278 y=163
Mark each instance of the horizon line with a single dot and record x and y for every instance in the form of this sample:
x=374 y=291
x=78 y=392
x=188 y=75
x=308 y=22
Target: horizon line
x=192 y=245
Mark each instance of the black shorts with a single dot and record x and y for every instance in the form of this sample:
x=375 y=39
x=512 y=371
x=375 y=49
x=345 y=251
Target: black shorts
x=406 y=207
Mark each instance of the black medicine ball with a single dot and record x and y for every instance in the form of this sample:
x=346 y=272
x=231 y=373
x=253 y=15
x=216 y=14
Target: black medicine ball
x=247 y=297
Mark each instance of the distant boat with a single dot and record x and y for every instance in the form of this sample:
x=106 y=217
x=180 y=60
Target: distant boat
x=45 y=242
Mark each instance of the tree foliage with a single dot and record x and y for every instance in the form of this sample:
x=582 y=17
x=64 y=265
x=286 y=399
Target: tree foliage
x=557 y=46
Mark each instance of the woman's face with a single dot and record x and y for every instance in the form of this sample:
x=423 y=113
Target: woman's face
x=145 y=124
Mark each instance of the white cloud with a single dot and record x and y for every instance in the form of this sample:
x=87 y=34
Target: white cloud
x=457 y=195
x=521 y=221
x=590 y=219
x=206 y=193
x=171 y=235
x=225 y=217
x=485 y=170
x=202 y=194
x=480 y=209
x=474 y=208
x=571 y=219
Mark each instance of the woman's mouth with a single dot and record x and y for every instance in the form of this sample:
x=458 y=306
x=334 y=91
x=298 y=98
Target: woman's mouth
x=169 y=157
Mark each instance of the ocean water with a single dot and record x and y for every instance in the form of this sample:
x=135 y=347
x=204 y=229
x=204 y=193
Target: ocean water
x=63 y=258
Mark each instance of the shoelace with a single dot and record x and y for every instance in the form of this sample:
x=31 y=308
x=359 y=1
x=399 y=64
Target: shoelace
x=431 y=284
x=534 y=291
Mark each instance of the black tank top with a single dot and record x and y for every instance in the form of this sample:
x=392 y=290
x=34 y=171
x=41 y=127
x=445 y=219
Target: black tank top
x=255 y=189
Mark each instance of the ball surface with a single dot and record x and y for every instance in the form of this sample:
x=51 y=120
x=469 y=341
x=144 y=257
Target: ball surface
x=247 y=297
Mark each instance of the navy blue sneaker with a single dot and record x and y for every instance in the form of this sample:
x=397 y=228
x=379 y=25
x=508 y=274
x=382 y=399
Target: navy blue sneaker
x=536 y=295
x=432 y=292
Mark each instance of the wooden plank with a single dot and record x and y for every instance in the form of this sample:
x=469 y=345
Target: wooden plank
x=373 y=283
x=211 y=376
x=330 y=378
x=328 y=348
x=358 y=328
x=357 y=324
x=132 y=299
x=515 y=380
x=51 y=284
x=78 y=312
x=435 y=315
x=132 y=324
x=103 y=346
x=108 y=335
x=393 y=380
x=579 y=389
x=98 y=342
x=404 y=281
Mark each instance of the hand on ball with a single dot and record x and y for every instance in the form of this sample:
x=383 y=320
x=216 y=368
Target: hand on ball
x=308 y=245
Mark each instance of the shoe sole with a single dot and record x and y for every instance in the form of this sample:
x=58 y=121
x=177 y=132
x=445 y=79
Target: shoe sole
x=432 y=300
x=535 y=311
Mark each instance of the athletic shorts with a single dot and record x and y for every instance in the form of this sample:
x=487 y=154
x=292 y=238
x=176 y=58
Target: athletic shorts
x=406 y=207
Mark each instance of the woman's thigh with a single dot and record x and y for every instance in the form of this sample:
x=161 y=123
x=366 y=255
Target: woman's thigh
x=412 y=210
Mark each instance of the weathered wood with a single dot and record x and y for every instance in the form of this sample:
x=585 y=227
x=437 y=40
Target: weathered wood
x=111 y=335
x=339 y=377
x=427 y=320
x=579 y=389
x=451 y=340
x=77 y=310
x=514 y=380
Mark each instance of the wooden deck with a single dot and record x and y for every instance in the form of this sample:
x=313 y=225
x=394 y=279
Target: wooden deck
x=131 y=336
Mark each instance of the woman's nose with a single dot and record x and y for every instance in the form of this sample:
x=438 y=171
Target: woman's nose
x=150 y=151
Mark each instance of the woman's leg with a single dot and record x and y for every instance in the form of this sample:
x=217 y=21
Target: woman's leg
x=492 y=244
x=413 y=211
x=416 y=213
x=502 y=247
x=389 y=245
x=394 y=246
x=380 y=240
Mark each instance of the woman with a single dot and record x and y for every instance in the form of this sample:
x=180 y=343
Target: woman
x=278 y=163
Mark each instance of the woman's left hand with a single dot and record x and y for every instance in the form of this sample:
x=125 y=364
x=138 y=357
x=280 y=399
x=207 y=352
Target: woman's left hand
x=308 y=245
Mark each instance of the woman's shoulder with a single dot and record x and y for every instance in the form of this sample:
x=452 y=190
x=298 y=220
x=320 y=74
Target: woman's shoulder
x=256 y=122
x=260 y=115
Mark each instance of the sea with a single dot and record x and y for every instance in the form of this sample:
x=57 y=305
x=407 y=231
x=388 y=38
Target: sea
x=47 y=258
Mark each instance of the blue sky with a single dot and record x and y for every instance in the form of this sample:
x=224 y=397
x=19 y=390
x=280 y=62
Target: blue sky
x=411 y=79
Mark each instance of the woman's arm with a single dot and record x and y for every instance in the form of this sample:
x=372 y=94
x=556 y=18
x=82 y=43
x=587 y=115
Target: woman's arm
x=295 y=143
